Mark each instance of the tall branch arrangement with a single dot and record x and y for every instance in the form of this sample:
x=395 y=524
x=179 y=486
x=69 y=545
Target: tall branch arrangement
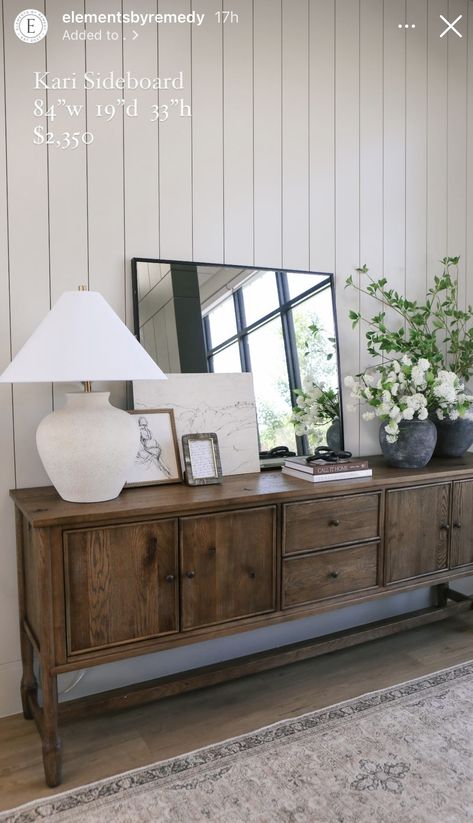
x=437 y=330
x=423 y=352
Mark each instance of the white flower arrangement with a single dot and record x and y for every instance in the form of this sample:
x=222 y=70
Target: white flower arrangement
x=405 y=390
x=451 y=402
x=316 y=405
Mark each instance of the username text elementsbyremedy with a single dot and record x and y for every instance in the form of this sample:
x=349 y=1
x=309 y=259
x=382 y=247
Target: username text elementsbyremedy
x=134 y=17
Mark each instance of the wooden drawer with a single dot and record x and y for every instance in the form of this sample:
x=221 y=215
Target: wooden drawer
x=330 y=573
x=330 y=522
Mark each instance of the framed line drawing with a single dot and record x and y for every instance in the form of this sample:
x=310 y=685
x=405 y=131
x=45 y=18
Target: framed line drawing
x=157 y=460
x=201 y=459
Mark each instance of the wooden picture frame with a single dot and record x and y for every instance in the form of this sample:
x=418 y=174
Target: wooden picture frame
x=157 y=460
x=201 y=459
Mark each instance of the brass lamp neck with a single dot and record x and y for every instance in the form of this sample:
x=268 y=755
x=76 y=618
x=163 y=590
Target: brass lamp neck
x=87 y=384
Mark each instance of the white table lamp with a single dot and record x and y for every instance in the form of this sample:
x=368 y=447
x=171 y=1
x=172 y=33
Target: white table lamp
x=88 y=447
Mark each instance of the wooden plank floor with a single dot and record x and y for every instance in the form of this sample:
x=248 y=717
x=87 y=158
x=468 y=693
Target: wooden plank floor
x=99 y=747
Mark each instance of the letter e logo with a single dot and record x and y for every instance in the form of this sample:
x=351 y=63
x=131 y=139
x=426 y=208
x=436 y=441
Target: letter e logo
x=30 y=26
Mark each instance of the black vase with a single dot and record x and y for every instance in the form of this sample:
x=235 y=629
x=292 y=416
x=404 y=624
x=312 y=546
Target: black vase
x=414 y=446
x=454 y=437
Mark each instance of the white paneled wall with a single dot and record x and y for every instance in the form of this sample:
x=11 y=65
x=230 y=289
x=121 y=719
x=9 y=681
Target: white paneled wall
x=322 y=137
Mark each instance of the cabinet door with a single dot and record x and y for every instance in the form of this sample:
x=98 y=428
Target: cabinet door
x=462 y=524
x=417 y=528
x=227 y=566
x=121 y=584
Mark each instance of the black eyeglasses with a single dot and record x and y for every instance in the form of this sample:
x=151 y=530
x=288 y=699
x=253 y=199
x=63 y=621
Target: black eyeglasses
x=329 y=455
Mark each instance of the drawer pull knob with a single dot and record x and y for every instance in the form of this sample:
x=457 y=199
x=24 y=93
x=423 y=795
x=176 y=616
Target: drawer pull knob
x=457 y=525
x=445 y=527
x=212 y=550
x=190 y=574
x=170 y=578
x=333 y=575
x=252 y=574
x=335 y=522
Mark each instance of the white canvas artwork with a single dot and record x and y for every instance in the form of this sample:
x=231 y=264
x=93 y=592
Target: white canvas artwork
x=220 y=403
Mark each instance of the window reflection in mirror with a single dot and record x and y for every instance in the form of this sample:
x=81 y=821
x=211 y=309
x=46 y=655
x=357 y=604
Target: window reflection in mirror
x=280 y=325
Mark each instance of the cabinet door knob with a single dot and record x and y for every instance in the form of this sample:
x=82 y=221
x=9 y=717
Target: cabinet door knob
x=170 y=578
x=190 y=574
x=335 y=522
x=212 y=550
x=252 y=574
x=333 y=575
x=445 y=527
x=457 y=525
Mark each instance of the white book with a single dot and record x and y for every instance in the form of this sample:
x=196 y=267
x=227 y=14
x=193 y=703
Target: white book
x=323 y=478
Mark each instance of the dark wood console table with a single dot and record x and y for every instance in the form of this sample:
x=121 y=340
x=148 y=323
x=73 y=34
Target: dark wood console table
x=165 y=566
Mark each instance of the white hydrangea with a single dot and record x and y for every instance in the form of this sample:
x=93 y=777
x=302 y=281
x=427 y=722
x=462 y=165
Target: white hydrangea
x=418 y=375
x=392 y=427
x=384 y=409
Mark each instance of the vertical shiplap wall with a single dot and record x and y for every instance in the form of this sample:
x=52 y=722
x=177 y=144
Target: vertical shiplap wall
x=323 y=136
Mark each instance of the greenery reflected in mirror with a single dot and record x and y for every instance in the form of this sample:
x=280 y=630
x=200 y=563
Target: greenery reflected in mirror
x=280 y=325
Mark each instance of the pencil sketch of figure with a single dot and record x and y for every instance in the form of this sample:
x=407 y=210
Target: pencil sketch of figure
x=150 y=451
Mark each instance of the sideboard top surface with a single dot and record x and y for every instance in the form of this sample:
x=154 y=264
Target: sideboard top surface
x=43 y=507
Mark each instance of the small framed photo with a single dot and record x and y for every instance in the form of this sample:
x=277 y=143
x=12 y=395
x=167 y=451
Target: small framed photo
x=157 y=459
x=201 y=459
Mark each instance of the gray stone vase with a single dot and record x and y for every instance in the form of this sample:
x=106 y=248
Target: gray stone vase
x=414 y=446
x=334 y=435
x=454 y=437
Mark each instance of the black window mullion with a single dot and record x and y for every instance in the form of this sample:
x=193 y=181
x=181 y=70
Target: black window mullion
x=208 y=342
x=245 y=359
x=289 y=337
x=290 y=348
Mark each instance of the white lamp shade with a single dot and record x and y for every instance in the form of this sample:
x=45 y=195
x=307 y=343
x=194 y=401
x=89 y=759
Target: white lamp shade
x=81 y=339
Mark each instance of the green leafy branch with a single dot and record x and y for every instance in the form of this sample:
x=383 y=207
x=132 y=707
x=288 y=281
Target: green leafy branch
x=437 y=329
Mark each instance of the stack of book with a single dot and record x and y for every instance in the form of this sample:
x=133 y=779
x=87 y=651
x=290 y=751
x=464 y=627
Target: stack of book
x=319 y=471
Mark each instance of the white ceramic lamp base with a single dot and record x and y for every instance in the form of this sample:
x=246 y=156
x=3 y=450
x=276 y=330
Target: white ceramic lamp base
x=88 y=447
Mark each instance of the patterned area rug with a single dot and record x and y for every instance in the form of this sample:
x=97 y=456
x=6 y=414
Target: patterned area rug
x=395 y=756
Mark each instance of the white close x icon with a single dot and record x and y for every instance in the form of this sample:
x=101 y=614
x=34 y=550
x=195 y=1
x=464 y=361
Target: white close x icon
x=451 y=26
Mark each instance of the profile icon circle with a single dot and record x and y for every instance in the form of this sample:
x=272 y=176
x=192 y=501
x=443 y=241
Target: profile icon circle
x=30 y=26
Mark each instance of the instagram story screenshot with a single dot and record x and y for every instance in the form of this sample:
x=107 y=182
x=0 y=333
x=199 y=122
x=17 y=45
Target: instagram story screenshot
x=236 y=411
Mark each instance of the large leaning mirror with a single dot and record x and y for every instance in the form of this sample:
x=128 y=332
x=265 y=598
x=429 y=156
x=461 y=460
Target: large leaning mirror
x=280 y=325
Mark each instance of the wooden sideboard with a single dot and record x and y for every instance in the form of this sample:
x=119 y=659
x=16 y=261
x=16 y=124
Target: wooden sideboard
x=165 y=566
